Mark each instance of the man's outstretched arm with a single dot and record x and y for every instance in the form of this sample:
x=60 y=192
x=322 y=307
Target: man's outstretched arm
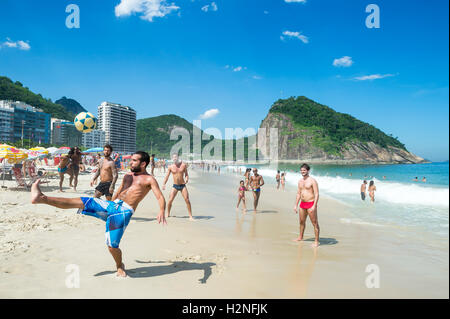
x=165 y=179
x=161 y=201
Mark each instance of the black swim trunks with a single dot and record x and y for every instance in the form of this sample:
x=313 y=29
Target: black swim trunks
x=179 y=187
x=104 y=188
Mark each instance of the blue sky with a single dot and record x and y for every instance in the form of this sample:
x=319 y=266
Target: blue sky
x=239 y=56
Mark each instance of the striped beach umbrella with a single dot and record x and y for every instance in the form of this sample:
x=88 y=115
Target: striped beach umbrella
x=12 y=155
x=40 y=150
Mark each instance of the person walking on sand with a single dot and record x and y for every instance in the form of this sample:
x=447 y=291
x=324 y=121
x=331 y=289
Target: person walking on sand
x=308 y=194
x=108 y=175
x=179 y=172
x=75 y=157
x=152 y=164
x=63 y=168
x=283 y=180
x=247 y=176
x=277 y=178
x=117 y=213
x=363 y=190
x=256 y=181
x=241 y=195
x=372 y=189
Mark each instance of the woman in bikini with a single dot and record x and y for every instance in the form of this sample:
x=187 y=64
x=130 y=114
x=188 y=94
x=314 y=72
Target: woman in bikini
x=241 y=196
x=372 y=189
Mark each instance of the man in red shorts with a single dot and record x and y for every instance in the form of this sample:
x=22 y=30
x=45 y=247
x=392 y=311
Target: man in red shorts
x=308 y=194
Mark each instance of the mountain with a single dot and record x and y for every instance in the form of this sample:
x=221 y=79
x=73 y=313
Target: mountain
x=310 y=131
x=71 y=105
x=153 y=134
x=15 y=91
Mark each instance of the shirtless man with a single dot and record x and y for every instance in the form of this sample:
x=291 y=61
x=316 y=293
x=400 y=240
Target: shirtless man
x=256 y=181
x=363 y=190
x=135 y=186
x=178 y=170
x=75 y=156
x=278 y=178
x=63 y=168
x=108 y=175
x=308 y=193
x=152 y=164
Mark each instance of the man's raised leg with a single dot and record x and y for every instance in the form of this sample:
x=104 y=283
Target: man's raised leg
x=37 y=197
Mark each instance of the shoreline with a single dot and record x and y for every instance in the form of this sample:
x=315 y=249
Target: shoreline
x=222 y=254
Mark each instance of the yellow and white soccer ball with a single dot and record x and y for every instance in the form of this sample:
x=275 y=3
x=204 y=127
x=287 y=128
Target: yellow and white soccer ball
x=85 y=122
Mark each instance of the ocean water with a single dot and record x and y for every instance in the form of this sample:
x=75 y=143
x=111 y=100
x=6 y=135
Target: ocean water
x=418 y=208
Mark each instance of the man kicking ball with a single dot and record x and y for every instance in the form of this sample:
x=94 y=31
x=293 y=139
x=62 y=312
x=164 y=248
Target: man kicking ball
x=117 y=213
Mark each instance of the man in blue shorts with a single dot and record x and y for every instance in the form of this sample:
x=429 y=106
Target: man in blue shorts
x=116 y=213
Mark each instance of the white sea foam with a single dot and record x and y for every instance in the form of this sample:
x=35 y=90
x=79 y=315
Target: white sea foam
x=387 y=191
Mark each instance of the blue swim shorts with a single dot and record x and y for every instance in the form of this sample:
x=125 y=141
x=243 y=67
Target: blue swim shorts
x=116 y=214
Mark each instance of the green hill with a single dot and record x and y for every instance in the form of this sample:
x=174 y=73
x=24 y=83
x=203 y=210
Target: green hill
x=336 y=127
x=153 y=134
x=15 y=91
x=71 y=105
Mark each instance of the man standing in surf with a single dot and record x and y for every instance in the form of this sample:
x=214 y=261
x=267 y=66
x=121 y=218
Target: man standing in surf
x=179 y=171
x=308 y=194
x=117 y=213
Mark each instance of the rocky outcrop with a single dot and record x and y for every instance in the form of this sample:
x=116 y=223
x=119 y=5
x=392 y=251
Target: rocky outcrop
x=297 y=143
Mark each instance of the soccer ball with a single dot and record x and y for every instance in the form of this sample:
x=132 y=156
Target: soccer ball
x=85 y=122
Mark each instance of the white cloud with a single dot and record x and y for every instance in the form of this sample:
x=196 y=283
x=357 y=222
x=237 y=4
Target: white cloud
x=237 y=69
x=294 y=34
x=345 y=62
x=256 y=77
x=295 y=1
x=148 y=9
x=22 y=45
x=212 y=7
x=373 y=77
x=209 y=114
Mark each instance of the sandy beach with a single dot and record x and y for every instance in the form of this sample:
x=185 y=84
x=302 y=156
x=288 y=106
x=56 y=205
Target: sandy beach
x=223 y=253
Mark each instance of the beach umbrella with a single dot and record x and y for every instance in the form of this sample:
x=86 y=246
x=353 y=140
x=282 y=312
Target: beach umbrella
x=94 y=150
x=61 y=151
x=12 y=154
x=40 y=149
x=51 y=150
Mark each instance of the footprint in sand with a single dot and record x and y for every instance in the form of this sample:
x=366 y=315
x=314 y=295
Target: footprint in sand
x=181 y=241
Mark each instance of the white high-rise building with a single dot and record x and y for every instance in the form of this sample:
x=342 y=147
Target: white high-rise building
x=119 y=124
x=95 y=138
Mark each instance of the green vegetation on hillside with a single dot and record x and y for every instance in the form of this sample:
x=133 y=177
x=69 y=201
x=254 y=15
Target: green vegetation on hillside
x=15 y=91
x=153 y=135
x=71 y=105
x=330 y=129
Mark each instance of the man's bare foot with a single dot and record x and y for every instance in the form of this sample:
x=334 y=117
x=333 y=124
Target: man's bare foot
x=61 y=191
x=315 y=244
x=191 y=218
x=36 y=194
x=121 y=271
x=298 y=239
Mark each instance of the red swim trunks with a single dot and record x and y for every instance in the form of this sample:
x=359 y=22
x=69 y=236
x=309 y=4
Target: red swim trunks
x=306 y=205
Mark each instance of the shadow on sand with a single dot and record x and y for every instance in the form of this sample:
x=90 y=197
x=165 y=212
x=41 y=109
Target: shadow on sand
x=324 y=241
x=195 y=217
x=173 y=267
